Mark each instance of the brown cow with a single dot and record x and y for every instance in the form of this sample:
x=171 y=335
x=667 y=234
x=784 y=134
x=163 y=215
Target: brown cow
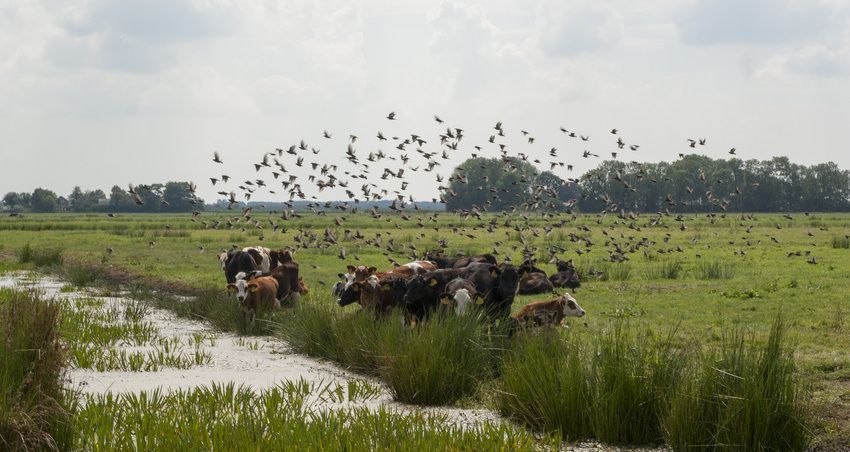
x=287 y=277
x=414 y=268
x=535 y=283
x=550 y=312
x=256 y=293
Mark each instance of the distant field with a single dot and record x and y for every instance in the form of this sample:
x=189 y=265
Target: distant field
x=730 y=270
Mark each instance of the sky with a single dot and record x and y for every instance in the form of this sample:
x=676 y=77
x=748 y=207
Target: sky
x=98 y=93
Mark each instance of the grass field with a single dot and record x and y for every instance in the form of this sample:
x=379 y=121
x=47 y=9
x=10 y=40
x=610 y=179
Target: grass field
x=732 y=278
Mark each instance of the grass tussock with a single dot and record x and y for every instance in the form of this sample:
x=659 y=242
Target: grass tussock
x=741 y=396
x=34 y=405
x=710 y=270
x=438 y=362
x=46 y=257
x=841 y=242
x=667 y=269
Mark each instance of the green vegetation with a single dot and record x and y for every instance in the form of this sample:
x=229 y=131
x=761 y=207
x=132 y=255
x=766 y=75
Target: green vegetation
x=35 y=409
x=709 y=278
x=227 y=417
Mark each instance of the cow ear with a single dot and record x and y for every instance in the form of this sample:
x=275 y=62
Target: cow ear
x=372 y=270
x=524 y=274
x=433 y=282
x=444 y=299
x=230 y=287
x=253 y=287
x=493 y=273
x=350 y=268
x=340 y=275
x=479 y=300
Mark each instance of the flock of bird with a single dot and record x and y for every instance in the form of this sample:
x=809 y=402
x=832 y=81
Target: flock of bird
x=365 y=174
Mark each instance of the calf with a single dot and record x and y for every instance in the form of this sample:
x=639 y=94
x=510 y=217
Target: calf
x=550 y=312
x=339 y=286
x=442 y=261
x=566 y=276
x=377 y=294
x=535 y=283
x=460 y=292
x=253 y=294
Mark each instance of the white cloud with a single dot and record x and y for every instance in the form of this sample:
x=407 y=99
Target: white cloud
x=579 y=27
x=815 y=60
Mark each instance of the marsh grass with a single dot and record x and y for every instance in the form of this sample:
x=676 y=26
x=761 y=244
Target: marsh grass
x=841 y=242
x=229 y=417
x=34 y=405
x=742 y=396
x=711 y=270
x=42 y=257
x=614 y=391
x=666 y=269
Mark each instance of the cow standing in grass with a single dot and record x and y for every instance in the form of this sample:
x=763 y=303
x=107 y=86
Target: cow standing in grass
x=254 y=294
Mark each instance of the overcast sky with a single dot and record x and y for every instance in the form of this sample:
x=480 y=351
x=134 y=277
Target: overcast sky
x=97 y=93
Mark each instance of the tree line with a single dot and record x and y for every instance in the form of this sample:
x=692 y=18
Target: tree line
x=694 y=183
x=158 y=197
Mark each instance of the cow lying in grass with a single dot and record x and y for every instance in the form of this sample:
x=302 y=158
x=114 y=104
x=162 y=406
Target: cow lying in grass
x=550 y=312
x=253 y=294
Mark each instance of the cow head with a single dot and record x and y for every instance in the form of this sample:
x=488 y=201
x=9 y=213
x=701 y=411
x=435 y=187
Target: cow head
x=420 y=291
x=571 y=307
x=506 y=278
x=242 y=288
x=563 y=266
x=461 y=300
x=340 y=285
x=350 y=293
x=361 y=272
x=222 y=259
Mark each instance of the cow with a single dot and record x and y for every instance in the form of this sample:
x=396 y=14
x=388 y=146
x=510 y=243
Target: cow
x=423 y=291
x=339 y=286
x=527 y=266
x=459 y=292
x=498 y=285
x=374 y=293
x=414 y=268
x=361 y=272
x=550 y=312
x=442 y=261
x=566 y=275
x=236 y=261
x=253 y=294
x=287 y=278
x=534 y=283
x=261 y=256
x=278 y=257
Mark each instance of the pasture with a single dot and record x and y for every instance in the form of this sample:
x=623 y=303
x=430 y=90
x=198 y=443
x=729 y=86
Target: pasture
x=719 y=281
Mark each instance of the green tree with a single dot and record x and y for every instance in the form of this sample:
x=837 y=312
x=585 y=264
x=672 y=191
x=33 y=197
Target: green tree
x=43 y=200
x=490 y=184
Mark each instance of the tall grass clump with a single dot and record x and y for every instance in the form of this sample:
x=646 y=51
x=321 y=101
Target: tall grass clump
x=632 y=374
x=841 y=242
x=615 y=391
x=666 y=269
x=545 y=385
x=741 y=396
x=40 y=257
x=438 y=362
x=715 y=270
x=34 y=405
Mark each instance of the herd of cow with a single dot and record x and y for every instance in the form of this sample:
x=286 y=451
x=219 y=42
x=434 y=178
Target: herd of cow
x=262 y=278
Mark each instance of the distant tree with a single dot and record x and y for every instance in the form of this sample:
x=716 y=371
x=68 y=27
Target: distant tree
x=490 y=184
x=11 y=200
x=179 y=197
x=120 y=200
x=43 y=200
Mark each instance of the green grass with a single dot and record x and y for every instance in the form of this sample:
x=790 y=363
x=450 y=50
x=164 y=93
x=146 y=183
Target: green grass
x=34 y=406
x=741 y=396
x=841 y=242
x=718 y=258
x=230 y=417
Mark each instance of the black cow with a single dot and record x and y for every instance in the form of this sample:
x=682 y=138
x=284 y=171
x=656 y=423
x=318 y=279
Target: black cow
x=496 y=283
x=444 y=261
x=528 y=266
x=423 y=291
x=238 y=261
x=534 y=283
x=286 y=275
x=566 y=276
